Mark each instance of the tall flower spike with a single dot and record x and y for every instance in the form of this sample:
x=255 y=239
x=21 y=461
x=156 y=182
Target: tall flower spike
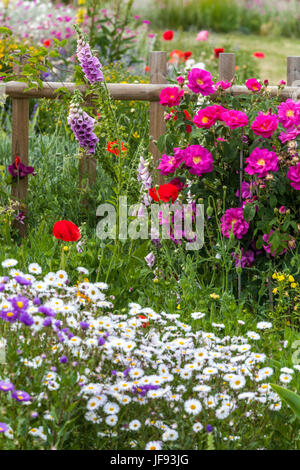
x=82 y=125
x=90 y=64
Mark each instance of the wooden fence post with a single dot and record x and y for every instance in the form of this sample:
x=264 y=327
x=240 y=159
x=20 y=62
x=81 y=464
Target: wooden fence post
x=20 y=144
x=227 y=73
x=226 y=66
x=157 y=125
x=293 y=70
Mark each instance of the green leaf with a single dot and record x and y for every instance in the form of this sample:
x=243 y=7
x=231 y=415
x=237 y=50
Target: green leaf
x=4 y=30
x=291 y=398
x=249 y=212
x=161 y=143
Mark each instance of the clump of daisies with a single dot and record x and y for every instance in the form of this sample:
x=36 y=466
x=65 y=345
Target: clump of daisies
x=141 y=376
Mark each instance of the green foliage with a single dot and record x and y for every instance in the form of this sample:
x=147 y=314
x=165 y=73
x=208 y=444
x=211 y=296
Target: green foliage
x=291 y=398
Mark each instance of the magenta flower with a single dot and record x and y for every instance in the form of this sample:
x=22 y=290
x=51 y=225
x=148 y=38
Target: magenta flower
x=170 y=96
x=233 y=222
x=168 y=164
x=180 y=80
x=223 y=85
x=19 y=170
x=198 y=159
x=291 y=135
x=245 y=259
x=265 y=124
x=294 y=176
x=235 y=119
x=178 y=183
x=261 y=161
x=246 y=191
x=208 y=116
x=268 y=245
x=200 y=81
x=289 y=113
x=282 y=210
x=253 y=85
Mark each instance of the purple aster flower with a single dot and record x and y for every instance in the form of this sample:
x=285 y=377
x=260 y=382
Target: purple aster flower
x=2 y=287
x=63 y=359
x=26 y=319
x=22 y=281
x=209 y=428
x=60 y=337
x=101 y=341
x=84 y=325
x=143 y=389
x=47 y=311
x=36 y=301
x=47 y=321
x=3 y=427
x=126 y=371
x=19 y=303
x=19 y=395
x=9 y=316
x=6 y=386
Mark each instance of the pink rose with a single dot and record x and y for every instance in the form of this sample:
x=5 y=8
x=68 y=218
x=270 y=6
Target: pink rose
x=235 y=119
x=265 y=124
x=170 y=96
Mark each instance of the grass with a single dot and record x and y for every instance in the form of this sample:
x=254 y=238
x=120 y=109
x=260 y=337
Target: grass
x=276 y=49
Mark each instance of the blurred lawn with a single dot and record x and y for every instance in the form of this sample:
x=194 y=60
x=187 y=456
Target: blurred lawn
x=276 y=49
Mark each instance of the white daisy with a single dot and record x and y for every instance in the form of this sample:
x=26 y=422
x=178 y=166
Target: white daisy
x=153 y=445
x=192 y=406
x=9 y=263
x=134 y=425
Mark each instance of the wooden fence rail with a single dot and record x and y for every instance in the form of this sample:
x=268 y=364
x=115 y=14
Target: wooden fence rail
x=140 y=92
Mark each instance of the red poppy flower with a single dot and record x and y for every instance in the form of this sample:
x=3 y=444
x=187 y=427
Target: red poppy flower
x=168 y=35
x=176 y=56
x=165 y=193
x=66 y=231
x=144 y=321
x=187 y=55
x=259 y=55
x=147 y=68
x=47 y=42
x=113 y=147
x=17 y=161
x=218 y=51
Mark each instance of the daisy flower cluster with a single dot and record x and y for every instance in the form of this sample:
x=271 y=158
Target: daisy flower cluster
x=75 y=350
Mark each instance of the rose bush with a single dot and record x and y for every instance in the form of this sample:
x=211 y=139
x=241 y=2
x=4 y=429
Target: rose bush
x=247 y=169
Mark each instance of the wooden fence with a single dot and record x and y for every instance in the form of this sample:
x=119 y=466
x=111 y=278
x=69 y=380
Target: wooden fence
x=140 y=92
